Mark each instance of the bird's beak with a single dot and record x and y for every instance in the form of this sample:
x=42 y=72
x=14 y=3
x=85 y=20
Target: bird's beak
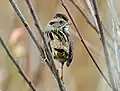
x=68 y=23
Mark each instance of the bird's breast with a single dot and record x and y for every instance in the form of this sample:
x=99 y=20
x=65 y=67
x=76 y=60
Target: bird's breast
x=60 y=48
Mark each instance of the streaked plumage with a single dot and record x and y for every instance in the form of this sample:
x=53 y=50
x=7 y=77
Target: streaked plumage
x=59 y=40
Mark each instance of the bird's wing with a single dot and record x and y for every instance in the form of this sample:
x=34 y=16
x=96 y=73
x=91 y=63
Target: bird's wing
x=70 y=55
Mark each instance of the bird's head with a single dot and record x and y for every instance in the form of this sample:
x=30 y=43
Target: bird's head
x=60 y=21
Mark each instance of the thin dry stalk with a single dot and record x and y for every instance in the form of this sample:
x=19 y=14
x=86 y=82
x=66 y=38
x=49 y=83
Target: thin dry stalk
x=17 y=66
x=84 y=15
x=107 y=56
x=50 y=61
x=83 y=42
x=116 y=22
x=47 y=49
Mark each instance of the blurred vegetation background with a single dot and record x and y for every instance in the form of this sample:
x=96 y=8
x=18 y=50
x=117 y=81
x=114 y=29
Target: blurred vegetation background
x=82 y=75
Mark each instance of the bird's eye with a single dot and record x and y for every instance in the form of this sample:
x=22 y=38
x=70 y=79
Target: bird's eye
x=51 y=23
x=61 y=22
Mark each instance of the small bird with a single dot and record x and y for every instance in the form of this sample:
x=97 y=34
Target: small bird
x=59 y=40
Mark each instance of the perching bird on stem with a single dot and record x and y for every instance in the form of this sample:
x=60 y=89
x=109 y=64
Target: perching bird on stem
x=59 y=40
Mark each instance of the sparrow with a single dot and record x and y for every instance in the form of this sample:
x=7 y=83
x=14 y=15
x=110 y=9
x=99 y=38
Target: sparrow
x=59 y=40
